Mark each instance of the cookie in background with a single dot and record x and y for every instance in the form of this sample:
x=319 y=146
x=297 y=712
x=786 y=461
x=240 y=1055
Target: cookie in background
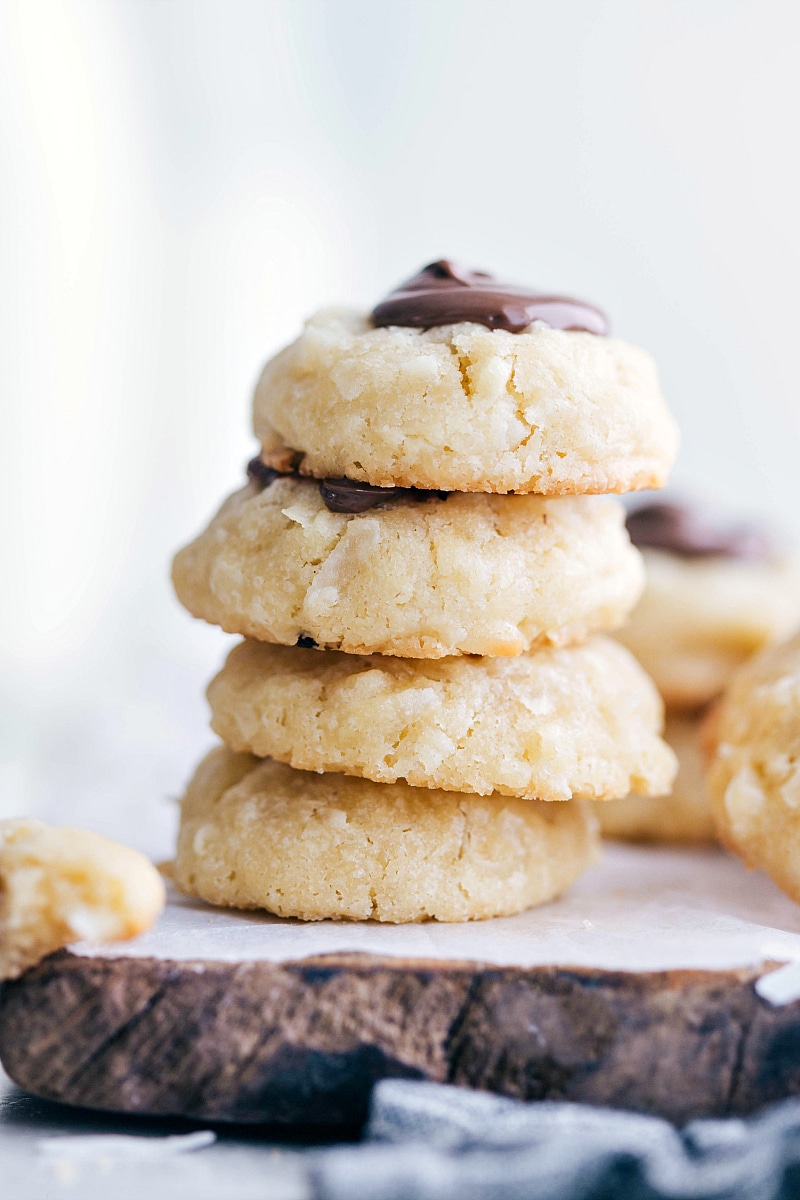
x=754 y=770
x=717 y=592
x=682 y=816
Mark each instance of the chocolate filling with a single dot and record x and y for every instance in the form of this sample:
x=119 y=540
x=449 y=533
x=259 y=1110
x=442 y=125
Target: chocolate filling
x=446 y=294
x=259 y=473
x=678 y=529
x=342 y=495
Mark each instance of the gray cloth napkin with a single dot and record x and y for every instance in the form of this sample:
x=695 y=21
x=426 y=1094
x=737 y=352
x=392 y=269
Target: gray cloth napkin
x=425 y=1141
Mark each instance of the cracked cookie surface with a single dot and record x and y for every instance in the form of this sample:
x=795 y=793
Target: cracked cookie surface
x=465 y=408
x=582 y=721
x=258 y=834
x=472 y=574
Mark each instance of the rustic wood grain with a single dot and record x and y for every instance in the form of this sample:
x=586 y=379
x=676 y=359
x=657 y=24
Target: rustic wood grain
x=305 y=1041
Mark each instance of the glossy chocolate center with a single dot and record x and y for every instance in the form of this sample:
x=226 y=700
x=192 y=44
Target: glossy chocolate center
x=678 y=529
x=342 y=495
x=446 y=294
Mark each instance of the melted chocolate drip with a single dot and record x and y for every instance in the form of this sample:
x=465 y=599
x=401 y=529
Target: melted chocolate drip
x=342 y=495
x=349 y=496
x=679 y=530
x=445 y=294
x=259 y=473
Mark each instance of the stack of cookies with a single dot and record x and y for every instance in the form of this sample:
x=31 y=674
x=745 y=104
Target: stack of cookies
x=421 y=565
x=717 y=592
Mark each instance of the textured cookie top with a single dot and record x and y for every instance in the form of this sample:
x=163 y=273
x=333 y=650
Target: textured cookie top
x=702 y=617
x=465 y=408
x=582 y=721
x=470 y=574
x=754 y=778
x=61 y=885
x=257 y=834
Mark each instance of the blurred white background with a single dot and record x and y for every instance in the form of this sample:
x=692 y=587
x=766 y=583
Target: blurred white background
x=181 y=181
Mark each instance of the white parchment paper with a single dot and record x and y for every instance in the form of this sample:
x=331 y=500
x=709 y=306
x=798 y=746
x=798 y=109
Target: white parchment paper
x=639 y=909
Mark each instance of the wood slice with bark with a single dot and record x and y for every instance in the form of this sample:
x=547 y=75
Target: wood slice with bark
x=306 y=1041
x=240 y=1017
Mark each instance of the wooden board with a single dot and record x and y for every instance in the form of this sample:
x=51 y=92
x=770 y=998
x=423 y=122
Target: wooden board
x=599 y=997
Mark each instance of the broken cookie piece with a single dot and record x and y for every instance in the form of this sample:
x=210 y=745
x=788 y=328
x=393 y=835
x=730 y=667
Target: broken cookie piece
x=60 y=885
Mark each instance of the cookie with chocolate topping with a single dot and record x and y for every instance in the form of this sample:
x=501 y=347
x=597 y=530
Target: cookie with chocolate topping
x=460 y=382
x=716 y=593
x=470 y=574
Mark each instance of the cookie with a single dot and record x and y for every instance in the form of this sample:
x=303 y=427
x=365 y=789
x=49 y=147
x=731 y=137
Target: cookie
x=581 y=721
x=682 y=816
x=472 y=574
x=701 y=618
x=754 y=777
x=258 y=834
x=465 y=408
x=61 y=885
x=716 y=594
